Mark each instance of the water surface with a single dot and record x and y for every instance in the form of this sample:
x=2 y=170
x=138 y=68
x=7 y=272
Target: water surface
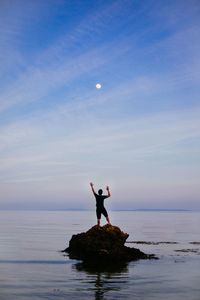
x=32 y=266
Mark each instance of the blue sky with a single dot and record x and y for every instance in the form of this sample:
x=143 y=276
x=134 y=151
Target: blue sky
x=139 y=133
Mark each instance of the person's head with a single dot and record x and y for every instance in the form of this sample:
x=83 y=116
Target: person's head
x=100 y=192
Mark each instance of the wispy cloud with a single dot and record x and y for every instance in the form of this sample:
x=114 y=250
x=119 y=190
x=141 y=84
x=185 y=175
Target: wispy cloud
x=122 y=141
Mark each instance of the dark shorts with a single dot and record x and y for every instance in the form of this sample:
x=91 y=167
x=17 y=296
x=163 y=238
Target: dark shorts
x=101 y=210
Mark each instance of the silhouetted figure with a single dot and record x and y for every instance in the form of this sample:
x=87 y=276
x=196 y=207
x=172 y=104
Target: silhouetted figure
x=100 y=209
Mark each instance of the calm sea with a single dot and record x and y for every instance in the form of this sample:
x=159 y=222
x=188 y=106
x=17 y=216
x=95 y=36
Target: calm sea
x=32 y=266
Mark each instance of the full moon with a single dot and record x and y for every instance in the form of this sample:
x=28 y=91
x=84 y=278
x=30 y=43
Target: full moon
x=98 y=86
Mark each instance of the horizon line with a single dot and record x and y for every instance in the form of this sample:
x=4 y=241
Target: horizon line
x=125 y=210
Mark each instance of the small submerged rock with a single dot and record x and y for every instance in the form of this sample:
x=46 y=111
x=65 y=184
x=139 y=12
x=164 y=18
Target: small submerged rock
x=196 y=250
x=103 y=244
x=195 y=243
x=151 y=243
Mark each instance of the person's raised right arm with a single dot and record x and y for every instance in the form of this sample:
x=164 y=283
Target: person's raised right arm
x=92 y=187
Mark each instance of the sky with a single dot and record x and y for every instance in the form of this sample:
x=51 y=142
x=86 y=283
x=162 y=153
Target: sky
x=139 y=133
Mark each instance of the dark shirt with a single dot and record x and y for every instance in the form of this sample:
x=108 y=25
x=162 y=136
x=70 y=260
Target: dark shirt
x=100 y=200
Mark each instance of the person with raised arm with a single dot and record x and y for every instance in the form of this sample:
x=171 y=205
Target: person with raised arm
x=100 y=209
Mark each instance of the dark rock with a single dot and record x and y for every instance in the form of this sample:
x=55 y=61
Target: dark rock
x=103 y=244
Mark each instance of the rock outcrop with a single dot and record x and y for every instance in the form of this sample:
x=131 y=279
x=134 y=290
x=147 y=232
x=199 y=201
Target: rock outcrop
x=103 y=244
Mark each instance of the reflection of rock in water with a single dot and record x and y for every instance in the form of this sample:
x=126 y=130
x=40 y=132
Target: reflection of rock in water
x=106 y=277
x=91 y=268
x=105 y=244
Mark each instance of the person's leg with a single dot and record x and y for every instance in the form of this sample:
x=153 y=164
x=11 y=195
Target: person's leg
x=108 y=220
x=98 y=212
x=104 y=212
